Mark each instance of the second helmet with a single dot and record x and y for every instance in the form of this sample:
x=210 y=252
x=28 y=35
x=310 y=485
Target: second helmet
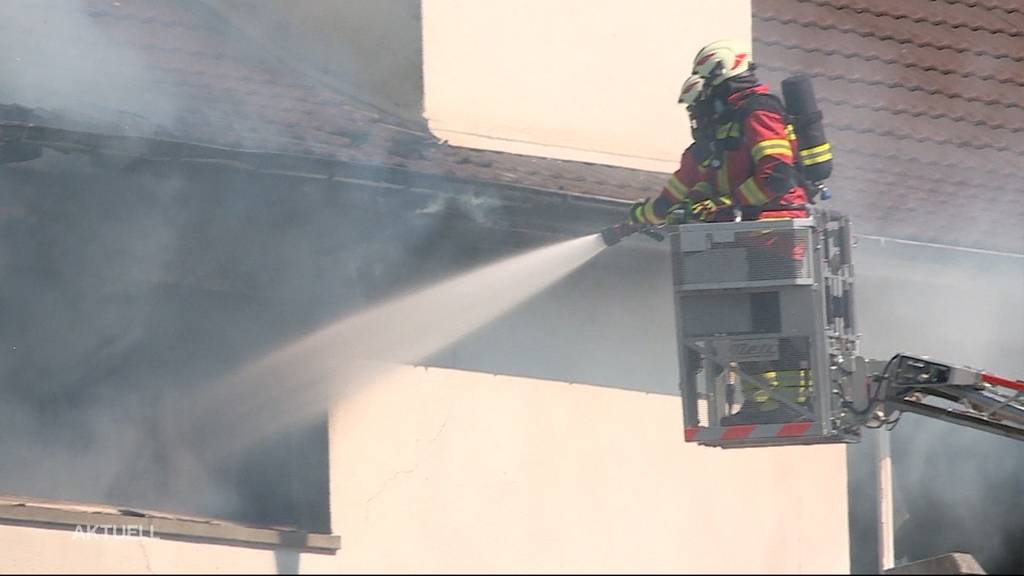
x=691 y=91
x=721 y=60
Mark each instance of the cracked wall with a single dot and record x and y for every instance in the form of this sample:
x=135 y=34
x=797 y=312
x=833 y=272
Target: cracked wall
x=445 y=470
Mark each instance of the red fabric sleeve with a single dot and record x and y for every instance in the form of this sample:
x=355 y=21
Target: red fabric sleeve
x=686 y=181
x=766 y=139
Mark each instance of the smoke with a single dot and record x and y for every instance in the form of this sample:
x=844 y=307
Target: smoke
x=87 y=302
x=56 y=58
x=957 y=489
x=296 y=382
x=126 y=291
x=129 y=284
x=88 y=333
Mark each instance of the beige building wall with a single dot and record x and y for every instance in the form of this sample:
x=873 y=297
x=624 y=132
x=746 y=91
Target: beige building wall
x=453 y=471
x=438 y=470
x=589 y=80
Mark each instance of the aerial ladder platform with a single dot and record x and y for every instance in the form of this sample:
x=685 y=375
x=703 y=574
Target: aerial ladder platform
x=769 y=352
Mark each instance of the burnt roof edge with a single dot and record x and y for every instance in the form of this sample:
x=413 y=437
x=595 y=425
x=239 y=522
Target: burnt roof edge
x=152 y=148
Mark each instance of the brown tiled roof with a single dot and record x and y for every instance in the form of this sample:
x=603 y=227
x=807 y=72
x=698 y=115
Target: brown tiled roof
x=924 y=104
x=228 y=92
x=923 y=100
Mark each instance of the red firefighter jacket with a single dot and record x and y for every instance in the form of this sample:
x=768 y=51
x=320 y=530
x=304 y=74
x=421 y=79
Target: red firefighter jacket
x=752 y=154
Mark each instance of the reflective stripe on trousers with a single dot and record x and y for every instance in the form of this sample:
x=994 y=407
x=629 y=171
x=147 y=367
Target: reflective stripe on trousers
x=790 y=384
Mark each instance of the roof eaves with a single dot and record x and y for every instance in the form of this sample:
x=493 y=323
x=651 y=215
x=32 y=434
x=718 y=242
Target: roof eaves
x=93 y=521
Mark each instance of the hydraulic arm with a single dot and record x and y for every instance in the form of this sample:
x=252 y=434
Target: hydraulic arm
x=954 y=394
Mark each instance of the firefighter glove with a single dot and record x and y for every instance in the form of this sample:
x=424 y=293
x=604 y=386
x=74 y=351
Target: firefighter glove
x=706 y=209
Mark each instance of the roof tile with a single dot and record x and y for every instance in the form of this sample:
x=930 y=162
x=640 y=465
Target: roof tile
x=953 y=14
x=1003 y=164
x=841 y=92
x=887 y=27
x=949 y=178
x=923 y=104
x=853 y=44
x=922 y=129
x=874 y=72
x=1007 y=7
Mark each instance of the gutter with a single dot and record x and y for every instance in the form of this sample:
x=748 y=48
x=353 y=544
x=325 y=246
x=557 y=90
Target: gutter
x=159 y=149
x=95 y=521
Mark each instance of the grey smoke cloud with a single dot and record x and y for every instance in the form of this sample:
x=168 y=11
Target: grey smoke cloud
x=55 y=57
x=956 y=489
x=130 y=284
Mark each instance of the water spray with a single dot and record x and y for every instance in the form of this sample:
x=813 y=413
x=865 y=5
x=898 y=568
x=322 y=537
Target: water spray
x=297 y=382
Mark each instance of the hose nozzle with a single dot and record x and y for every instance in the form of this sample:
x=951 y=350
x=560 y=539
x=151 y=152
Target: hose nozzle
x=612 y=235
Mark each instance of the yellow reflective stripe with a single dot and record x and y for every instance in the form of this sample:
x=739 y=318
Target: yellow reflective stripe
x=790 y=132
x=649 y=214
x=793 y=385
x=816 y=150
x=752 y=192
x=817 y=154
x=676 y=188
x=732 y=129
x=776 y=146
x=817 y=159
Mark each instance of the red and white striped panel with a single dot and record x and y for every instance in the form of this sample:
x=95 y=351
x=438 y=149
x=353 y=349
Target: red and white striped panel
x=745 y=431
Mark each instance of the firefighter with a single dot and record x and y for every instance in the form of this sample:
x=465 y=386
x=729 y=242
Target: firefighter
x=765 y=383
x=755 y=148
x=688 y=188
x=741 y=164
x=757 y=151
x=744 y=150
x=754 y=151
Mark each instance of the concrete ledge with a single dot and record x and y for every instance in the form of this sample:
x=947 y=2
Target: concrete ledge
x=953 y=563
x=103 y=521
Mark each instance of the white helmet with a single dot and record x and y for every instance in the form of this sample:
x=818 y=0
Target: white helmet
x=721 y=60
x=691 y=91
